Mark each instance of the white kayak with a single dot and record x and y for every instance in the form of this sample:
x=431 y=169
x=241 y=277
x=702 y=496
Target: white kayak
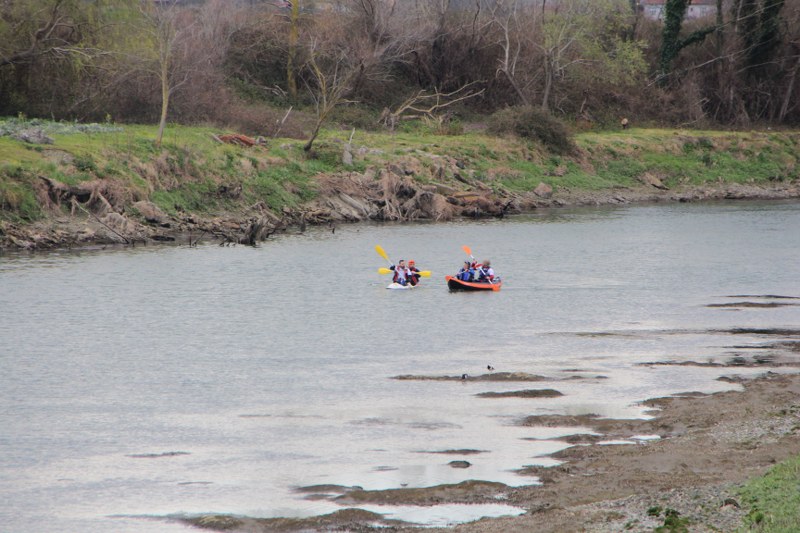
x=397 y=286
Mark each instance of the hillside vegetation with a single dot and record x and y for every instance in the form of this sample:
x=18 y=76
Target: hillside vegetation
x=381 y=110
x=242 y=63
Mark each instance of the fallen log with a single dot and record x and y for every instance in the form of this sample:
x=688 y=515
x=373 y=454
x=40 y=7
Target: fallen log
x=239 y=139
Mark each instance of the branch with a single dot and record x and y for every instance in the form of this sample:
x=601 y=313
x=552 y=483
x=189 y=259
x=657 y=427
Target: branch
x=414 y=102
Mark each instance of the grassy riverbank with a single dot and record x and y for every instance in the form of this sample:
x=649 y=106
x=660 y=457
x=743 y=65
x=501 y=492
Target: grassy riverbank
x=191 y=174
x=773 y=499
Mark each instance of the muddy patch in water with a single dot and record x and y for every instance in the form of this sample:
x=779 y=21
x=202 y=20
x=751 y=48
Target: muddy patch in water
x=530 y=393
x=156 y=455
x=574 y=439
x=466 y=451
x=465 y=492
x=753 y=304
x=765 y=296
x=500 y=377
x=495 y=377
x=344 y=520
x=324 y=492
x=767 y=301
x=772 y=332
x=736 y=361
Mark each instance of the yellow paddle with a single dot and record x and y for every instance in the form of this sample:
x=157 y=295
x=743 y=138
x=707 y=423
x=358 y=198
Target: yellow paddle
x=423 y=273
x=383 y=270
x=382 y=253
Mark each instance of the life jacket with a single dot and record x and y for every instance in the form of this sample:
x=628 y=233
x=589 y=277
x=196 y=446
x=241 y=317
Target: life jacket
x=400 y=274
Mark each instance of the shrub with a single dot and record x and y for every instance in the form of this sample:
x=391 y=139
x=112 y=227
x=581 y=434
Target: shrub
x=673 y=523
x=85 y=163
x=260 y=120
x=362 y=118
x=533 y=123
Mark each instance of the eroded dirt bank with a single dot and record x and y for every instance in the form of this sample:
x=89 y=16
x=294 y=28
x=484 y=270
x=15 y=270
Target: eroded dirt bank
x=102 y=213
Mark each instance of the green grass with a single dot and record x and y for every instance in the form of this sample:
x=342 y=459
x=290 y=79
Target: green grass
x=774 y=499
x=192 y=197
x=17 y=202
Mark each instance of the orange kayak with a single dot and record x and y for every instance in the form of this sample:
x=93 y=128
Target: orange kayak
x=455 y=284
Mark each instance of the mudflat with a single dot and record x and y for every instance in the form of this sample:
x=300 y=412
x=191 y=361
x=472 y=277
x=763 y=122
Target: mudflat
x=689 y=458
x=708 y=445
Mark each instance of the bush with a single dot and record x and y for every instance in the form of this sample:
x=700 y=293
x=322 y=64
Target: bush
x=533 y=123
x=85 y=163
x=262 y=120
x=359 y=117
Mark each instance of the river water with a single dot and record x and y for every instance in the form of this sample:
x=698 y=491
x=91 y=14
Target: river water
x=154 y=381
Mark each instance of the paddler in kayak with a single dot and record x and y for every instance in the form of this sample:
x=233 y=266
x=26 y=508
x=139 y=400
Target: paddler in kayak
x=486 y=272
x=413 y=273
x=401 y=273
x=467 y=272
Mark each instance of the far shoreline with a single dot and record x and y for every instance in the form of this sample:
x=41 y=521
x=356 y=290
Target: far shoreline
x=82 y=233
x=107 y=189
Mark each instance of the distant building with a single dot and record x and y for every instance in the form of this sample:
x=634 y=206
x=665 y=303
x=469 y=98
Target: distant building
x=654 y=9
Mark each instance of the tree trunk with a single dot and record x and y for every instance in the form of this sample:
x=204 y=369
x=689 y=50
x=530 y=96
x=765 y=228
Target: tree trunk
x=291 y=81
x=674 y=11
x=307 y=147
x=631 y=33
x=787 y=98
x=548 y=83
x=165 y=92
x=516 y=88
x=720 y=33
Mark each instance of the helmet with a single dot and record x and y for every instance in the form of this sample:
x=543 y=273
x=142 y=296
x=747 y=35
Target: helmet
x=411 y=262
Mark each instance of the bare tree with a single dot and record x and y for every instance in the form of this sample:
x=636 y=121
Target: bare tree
x=514 y=27
x=328 y=85
x=166 y=25
x=360 y=46
x=449 y=41
x=33 y=29
x=586 y=43
x=50 y=50
x=384 y=34
x=560 y=33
